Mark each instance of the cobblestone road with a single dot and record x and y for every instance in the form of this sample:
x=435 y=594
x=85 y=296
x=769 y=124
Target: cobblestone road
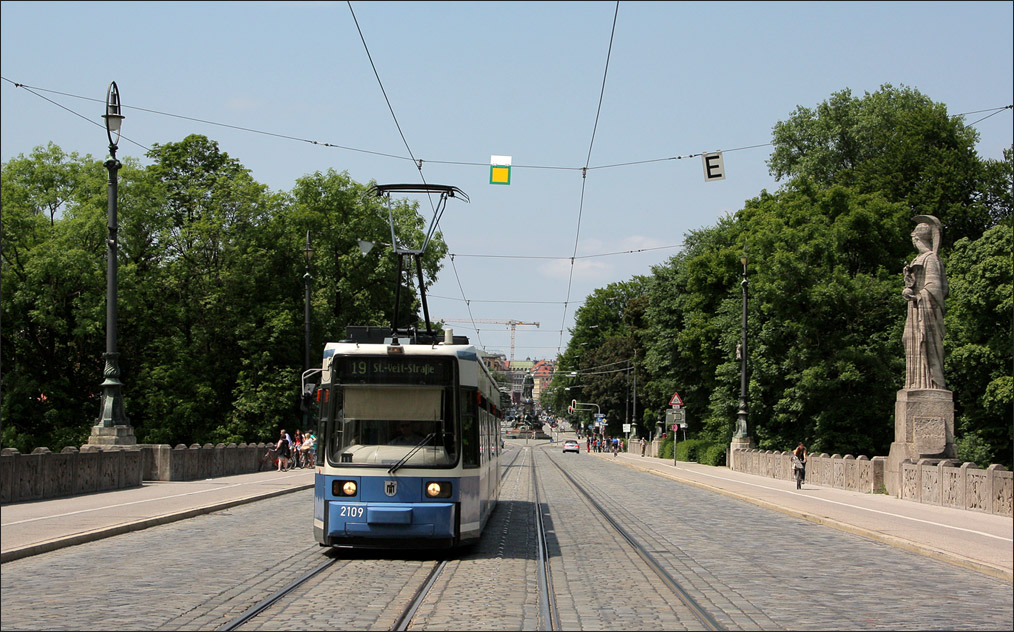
x=750 y=567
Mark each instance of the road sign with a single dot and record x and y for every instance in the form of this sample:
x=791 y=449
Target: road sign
x=675 y=400
x=500 y=170
x=714 y=166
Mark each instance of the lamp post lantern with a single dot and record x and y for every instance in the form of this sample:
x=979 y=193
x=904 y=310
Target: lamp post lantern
x=113 y=427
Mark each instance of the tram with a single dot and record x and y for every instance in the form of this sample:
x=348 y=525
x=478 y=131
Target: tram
x=409 y=444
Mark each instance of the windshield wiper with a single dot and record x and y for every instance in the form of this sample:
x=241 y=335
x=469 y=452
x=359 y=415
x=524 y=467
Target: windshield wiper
x=404 y=459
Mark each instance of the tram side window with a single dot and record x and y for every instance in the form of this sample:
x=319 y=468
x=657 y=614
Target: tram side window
x=323 y=408
x=331 y=421
x=469 y=428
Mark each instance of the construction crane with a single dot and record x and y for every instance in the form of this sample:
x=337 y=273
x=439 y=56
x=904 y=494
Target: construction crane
x=510 y=323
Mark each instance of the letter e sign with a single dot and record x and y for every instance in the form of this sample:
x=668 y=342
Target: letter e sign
x=714 y=166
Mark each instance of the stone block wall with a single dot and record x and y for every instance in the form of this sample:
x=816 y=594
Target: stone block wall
x=44 y=474
x=183 y=463
x=946 y=482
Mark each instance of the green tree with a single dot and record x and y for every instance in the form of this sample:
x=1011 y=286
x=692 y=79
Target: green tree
x=53 y=299
x=979 y=344
x=211 y=278
x=603 y=351
x=693 y=318
x=895 y=142
x=214 y=277
x=350 y=288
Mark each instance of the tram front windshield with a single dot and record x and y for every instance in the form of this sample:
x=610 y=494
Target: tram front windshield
x=377 y=423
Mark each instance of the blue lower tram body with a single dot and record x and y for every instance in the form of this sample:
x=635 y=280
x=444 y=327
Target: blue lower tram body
x=374 y=519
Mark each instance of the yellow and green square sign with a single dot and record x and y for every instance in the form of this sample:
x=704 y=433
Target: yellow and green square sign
x=499 y=169
x=500 y=174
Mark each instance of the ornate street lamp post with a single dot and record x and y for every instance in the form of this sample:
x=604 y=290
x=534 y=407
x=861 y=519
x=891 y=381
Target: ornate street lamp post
x=741 y=438
x=308 y=253
x=113 y=427
x=742 y=414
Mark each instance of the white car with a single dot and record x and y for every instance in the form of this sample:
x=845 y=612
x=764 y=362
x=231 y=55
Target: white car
x=571 y=446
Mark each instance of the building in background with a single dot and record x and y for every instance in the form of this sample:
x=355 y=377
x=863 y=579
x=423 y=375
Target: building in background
x=542 y=371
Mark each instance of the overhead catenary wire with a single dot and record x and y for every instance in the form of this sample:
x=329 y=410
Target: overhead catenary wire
x=35 y=90
x=419 y=164
x=584 y=173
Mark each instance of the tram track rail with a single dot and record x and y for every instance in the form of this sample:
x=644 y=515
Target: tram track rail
x=698 y=611
x=549 y=616
x=404 y=620
x=277 y=596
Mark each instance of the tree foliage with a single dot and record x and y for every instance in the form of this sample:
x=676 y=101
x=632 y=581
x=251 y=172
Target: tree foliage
x=825 y=312
x=210 y=294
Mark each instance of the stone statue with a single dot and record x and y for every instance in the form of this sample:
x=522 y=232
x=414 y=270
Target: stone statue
x=925 y=291
x=924 y=408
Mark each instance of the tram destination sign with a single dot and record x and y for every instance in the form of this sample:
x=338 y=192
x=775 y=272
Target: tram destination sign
x=394 y=370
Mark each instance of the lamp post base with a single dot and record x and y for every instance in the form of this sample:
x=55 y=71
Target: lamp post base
x=112 y=435
x=738 y=443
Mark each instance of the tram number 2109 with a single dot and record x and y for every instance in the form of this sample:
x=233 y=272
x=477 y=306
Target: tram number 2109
x=352 y=511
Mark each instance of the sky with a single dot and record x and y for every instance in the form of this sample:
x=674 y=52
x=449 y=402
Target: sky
x=634 y=92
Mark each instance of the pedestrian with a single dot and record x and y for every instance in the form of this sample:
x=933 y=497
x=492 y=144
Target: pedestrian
x=297 y=445
x=283 y=450
x=309 y=448
x=644 y=444
x=799 y=464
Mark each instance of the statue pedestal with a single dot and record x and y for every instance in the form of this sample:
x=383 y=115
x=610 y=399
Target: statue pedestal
x=112 y=435
x=923 y=428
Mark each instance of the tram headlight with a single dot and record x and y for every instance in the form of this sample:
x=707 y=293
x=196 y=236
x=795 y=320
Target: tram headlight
x=438 y=489
x=344 y=488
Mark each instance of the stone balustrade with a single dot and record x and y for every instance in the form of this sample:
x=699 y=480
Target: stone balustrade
x=951 y=483
x=44 y=474
x=944 y=482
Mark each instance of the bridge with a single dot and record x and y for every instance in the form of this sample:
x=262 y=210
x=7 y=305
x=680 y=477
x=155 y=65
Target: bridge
x=753 y=550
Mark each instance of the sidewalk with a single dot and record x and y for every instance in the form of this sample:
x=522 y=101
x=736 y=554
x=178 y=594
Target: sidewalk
x=973 y=540
x=31 y=528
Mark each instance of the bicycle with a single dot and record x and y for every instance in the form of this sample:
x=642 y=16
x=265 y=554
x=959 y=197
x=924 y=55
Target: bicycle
x=268 y=461
x=798 y=471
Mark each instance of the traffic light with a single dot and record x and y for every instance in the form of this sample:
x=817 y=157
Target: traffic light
x=306 y=400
